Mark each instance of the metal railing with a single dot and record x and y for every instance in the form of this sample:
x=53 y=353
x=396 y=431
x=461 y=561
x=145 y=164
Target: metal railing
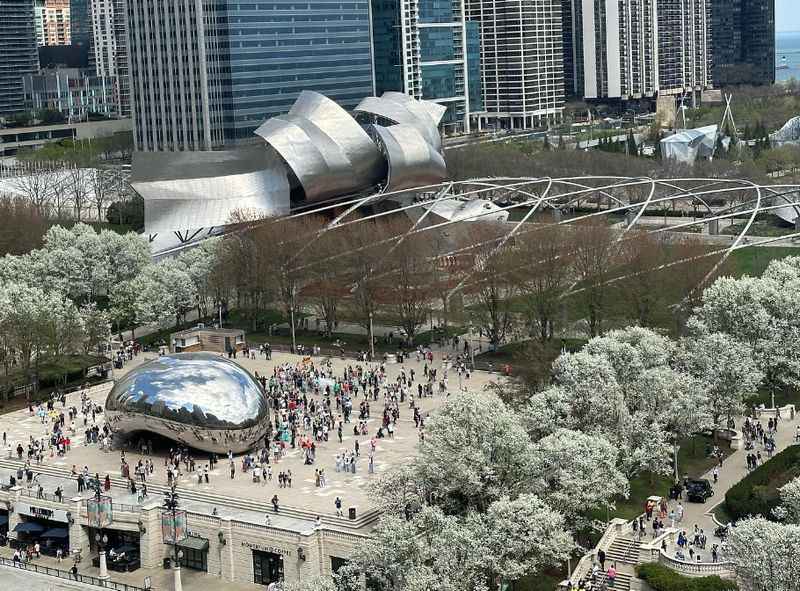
x=34 y=494
x=65 y=574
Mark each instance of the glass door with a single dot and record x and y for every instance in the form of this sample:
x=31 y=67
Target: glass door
x=267 y=567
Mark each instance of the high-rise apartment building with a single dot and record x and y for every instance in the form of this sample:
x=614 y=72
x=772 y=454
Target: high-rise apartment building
x=427 y=49
x=109 y=48
x=522 y=60
x=176 y=60
x=18 y=53
x=743 y=35
x=632 y=49
x=52 y=22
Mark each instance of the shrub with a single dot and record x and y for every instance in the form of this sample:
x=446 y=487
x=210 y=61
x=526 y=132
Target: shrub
x=757 y=493
x=662 y=578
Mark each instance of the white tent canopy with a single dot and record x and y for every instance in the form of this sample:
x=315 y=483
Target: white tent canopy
x=690 y=144
x=787 y=135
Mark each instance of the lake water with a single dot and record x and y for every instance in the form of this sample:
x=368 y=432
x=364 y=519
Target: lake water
x=787 y=44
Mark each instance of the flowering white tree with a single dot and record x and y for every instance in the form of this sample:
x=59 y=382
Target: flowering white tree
x=762 y=312
x=765 y=555
x=625 y=388
x=790 y=501
x=725 y=369
x=577 y=472
x=475 y=451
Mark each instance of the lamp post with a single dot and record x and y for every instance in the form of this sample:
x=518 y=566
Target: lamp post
x=371 y=339
x=102 y=540
x=171 y=507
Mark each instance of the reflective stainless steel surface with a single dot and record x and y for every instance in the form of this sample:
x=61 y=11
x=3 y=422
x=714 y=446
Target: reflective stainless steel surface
x=190 y=190
x=400 y=108
x=413 y=162
x=328 y=151
x=201 y=400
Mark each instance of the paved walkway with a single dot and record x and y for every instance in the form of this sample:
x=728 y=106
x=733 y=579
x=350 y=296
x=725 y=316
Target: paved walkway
x=733 y=470
x=160 y=579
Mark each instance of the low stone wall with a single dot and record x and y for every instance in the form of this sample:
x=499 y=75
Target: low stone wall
x=697 y=569
x=786 y=412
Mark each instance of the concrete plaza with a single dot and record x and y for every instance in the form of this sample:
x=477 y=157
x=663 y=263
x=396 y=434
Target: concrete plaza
x=20 y=426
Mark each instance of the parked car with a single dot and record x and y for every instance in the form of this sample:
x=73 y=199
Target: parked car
x=698 y=491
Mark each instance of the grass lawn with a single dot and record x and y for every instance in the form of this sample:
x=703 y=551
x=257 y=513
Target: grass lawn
x=753 y=261
x=763 y=228
x=57 y=373
x=783 y=396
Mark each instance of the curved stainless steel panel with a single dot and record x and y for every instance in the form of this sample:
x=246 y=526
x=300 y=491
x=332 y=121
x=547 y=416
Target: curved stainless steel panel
x=190 y=190
x=413 y=162
x=420 y=108
x=201 y=400
x=328 y=151
x=400 y=108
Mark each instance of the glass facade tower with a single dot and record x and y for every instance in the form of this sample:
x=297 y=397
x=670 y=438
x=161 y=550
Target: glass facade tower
x=19 y=55
x=743 y=37
x=279 y=48
x=426 y=48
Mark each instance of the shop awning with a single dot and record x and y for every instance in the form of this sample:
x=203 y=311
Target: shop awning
x=29 y=528
x=56 y=532
x=194 y=543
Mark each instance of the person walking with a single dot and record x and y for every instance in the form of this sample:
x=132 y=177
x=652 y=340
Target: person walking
x=611 y=575
x=601 y=558
x=338 y=504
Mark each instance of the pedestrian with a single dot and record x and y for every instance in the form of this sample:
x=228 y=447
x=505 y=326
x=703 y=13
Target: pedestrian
x=679 y=513
x=601 y=558
x=338 y=504
x=611 y=575
x=716 y=474
x=275 y=503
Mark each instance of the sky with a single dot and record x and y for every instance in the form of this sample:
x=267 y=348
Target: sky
x=787 y=15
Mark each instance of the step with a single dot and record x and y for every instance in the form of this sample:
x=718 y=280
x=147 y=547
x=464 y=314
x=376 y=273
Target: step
x=156 y=490
x=623 y=550
x=621 y=583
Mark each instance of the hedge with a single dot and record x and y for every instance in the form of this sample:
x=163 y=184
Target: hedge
x=662 y=578
x=757 y=493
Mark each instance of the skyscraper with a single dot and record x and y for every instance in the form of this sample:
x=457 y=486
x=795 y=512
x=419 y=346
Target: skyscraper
x=427 y=49
x=80 y=22
x=175 y=60
x=110 y=48
x=18 y=53
x=743 y=34
x=276 y=49
x=207 y=72
x=522 y=60
x=631 y=49
x=52 y=21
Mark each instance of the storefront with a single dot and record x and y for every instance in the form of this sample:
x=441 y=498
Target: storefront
x=3 y=527
x=268 y=563
x=47 y=527
x=194 y=553
x=122 y=548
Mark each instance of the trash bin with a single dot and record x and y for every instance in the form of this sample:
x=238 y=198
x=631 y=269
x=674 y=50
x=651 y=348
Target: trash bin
x=167 y=563
x=351 y=513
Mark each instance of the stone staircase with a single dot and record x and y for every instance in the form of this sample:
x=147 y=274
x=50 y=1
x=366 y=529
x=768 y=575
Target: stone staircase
x=621 y=583
x=623 y=551
x=155 y=491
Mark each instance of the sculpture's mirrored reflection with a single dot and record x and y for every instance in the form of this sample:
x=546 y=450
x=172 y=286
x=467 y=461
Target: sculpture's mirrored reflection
x=201 y=400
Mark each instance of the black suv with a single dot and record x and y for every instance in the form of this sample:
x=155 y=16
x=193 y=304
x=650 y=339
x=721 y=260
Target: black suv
x=698 y=491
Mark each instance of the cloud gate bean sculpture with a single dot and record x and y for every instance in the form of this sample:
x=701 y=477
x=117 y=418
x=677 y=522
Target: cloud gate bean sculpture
x=200 y=400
